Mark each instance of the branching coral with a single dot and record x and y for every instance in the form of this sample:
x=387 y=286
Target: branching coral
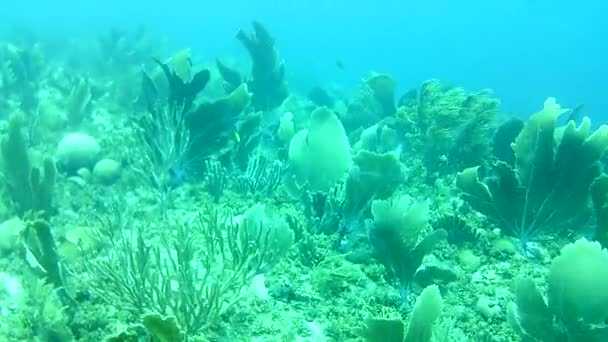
x=548 y=189
x=178 y=132
x=232 y=78
x=42 y=253
x=162 y=132
x=449 y=128
x=215 y=178
x=262 y=176
x=372 y=176
x=197 y=274
x=216 y=125
x=118 y=59
x=374 y=100
x=268 y=74
x=21 y=70
x=31 y=188
x=79 y=101
x=40 y=316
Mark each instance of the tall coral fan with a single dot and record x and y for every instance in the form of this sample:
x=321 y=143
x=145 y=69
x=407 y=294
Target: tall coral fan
x=268 y=74
x=373 y=101
x=396 y=237
x=548 y=188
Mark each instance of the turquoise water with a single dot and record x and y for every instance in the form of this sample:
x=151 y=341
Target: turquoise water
x=522 y=49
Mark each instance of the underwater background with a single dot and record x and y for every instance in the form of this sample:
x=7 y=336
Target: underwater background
x=522 y=49
x=303 y=171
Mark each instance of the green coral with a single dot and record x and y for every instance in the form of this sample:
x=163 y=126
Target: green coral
x=372 y=176
x=153 y=328
x=212 y=123
x=21 y=71
x=599 y=197
x=232 y=78
x=266 y=230
x=420 y=328
x=197 y=274
x=268 y=83
x=42 y=252
x=30 y=188
x=395 y=236
x=548 y=189
x=320 y=155
x=163 y=329
x=374 y=100
x=79 y=101
x=448 y=127
x=380 y=138
x=40 y=315
x=577 y=298
x=334 y=275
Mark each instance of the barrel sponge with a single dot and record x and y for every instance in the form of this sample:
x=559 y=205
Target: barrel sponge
x=320 y=155
x=578 y=284
x=77 y=150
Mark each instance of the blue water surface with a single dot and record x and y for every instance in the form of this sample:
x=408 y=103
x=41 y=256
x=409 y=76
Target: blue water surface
x=526 y=50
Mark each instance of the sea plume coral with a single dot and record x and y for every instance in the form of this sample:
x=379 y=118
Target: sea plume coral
x=197 y=273
x=447 y=126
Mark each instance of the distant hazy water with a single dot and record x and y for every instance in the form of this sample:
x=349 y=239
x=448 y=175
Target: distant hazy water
x=525 y=49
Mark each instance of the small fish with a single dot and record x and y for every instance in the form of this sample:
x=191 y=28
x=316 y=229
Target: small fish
x=237 y=137
x=339 y=65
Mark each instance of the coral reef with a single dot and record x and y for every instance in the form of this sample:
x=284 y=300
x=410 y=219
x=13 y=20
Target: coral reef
x=189 y=202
